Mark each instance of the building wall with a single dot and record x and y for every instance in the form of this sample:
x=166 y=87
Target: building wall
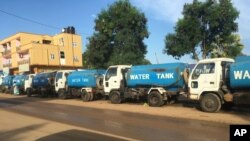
x=41 y=52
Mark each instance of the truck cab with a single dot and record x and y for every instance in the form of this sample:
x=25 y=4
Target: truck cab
x=113 y=78
x=206 y=83
x=28 y=83
x=61 y=79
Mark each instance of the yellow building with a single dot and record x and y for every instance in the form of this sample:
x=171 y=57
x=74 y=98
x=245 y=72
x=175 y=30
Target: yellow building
x=33 y=53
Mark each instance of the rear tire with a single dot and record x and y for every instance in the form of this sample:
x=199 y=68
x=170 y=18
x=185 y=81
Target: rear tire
x=115 y=97
x=85 y=96
x=227 y=106
x=155 y=99
x=91 y=96
x=44 y=93
x=210 y=103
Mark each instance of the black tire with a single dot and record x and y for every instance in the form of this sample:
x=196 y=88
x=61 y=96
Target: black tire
x=155 y=99
x=115 y=97
x=91 y=96
x=227 y=106
x=11 y=90
x=62 y=94
x=44 y=93
x=85 y=96
x=210 y=103
x=28 y=91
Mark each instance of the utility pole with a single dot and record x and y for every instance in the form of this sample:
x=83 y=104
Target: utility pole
x=157 y=61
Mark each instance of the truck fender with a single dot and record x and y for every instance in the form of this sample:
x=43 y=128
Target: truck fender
x=87 y=89
x=158 y=89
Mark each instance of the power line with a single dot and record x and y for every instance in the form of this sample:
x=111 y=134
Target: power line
x=36 y=22
x=29 y=20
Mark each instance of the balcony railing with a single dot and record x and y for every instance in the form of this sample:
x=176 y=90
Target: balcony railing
x=7 y=65
x=6 y=52
x=24 y=61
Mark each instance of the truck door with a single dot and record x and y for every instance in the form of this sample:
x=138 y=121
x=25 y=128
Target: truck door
x=111 y=79
x=28 y=81
x=59 y=82
x=203 y=78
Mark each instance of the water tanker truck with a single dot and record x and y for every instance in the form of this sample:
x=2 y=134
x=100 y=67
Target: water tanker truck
x=213 y=82
x=86 y=84
x=220 y=82
x=158 y=83
x=43 y=84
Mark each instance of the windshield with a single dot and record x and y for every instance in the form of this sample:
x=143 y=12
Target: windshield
x=205 y=68
x=111 y=72
x=58 y=76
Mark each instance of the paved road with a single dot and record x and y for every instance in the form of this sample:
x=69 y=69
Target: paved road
x=123 y=124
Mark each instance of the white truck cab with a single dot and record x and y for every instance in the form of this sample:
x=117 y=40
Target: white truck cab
x=61 y=80
x=205 y=83
x=113 y=77
x=28 y=82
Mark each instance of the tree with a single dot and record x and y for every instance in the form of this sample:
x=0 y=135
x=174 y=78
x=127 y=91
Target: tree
x=118 y=37
x=200 y=28
x=228 y=47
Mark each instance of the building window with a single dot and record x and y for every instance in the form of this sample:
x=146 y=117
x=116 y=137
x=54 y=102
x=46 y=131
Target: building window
x=46 y=42
x=61 y=42
x=52 y=56
x=62 y=55
x=74 y=44
x=75 y=58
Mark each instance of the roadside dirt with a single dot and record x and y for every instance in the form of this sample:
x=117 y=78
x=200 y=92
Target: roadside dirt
x=235 y=116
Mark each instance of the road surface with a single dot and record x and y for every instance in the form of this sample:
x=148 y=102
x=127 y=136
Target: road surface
x=68 y=122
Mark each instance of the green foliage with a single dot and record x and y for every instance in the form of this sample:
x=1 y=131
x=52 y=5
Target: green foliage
x=203 y=23
x=228 y=47
x=118 y=37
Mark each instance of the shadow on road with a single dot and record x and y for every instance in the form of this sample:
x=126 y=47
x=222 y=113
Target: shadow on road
x=13 y=134
x=20 y=99
x=77 y=135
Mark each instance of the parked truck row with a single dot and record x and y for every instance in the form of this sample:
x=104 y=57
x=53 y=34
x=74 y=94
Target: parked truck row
x=212 y=82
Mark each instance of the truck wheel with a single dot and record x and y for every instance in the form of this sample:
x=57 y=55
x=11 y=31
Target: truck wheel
x=85 y=96
x=155 y=99
x=91 y=96
x=44 y=94
x=62 y=94
x=28 y=91
x=210 y=103
x=115 y=97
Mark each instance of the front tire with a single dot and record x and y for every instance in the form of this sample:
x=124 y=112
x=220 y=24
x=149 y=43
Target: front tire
x=115 y=97
x=28 y=91
x=155 y=99
x=62 y=94
x=210 y=103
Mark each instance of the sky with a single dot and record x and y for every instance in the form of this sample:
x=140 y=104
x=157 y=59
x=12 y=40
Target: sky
x=161 y=14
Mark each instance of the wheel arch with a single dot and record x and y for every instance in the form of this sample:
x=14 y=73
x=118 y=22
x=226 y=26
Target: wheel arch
x=219 y=94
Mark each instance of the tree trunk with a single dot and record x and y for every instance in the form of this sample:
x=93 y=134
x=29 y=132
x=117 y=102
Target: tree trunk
x=204 y=52
x=195 y=56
